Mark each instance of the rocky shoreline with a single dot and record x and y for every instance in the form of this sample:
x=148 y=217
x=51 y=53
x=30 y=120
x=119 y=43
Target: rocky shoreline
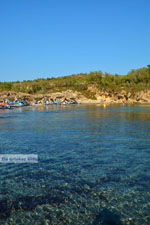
x=104 y=97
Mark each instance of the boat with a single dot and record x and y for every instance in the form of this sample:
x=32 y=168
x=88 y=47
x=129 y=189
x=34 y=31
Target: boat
x=4 y=105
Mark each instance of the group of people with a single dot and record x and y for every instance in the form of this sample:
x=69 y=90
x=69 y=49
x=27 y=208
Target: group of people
x=6 y=103
x=60 y=101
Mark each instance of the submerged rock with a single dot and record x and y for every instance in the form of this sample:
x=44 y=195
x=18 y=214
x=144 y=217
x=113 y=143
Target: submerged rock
x=28 y=203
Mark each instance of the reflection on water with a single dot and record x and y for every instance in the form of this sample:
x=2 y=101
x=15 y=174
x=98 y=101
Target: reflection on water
x=93 y=165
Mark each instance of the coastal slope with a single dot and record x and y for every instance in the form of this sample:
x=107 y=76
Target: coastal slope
x=93 y=87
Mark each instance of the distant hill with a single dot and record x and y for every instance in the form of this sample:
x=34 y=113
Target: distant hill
x=88 y=85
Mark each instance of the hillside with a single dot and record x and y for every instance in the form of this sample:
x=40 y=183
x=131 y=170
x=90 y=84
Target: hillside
x=91 y=87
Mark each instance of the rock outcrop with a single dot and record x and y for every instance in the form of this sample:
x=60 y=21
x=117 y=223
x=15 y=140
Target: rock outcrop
x=101 y=96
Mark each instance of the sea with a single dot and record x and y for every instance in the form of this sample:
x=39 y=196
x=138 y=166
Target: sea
x=93 y=165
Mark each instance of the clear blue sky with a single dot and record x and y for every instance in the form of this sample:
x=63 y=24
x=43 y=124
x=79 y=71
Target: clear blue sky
x=43 y=38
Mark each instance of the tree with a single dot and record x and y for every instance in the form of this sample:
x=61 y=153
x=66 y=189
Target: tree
x=148 y=68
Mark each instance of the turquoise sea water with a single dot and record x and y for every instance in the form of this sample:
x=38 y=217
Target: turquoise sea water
x=93 y=165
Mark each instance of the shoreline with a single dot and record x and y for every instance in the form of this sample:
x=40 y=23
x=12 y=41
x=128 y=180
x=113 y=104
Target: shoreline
x=142 y=97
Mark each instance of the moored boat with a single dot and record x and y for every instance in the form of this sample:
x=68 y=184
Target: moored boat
x=4 y=105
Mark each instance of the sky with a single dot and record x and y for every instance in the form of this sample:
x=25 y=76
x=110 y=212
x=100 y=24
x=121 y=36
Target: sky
x=47 y=38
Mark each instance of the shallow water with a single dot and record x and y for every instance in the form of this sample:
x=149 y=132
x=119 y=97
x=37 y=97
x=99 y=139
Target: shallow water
x=93 y=165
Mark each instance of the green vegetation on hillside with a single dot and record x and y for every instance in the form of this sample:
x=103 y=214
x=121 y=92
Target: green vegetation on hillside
x=134 y=81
